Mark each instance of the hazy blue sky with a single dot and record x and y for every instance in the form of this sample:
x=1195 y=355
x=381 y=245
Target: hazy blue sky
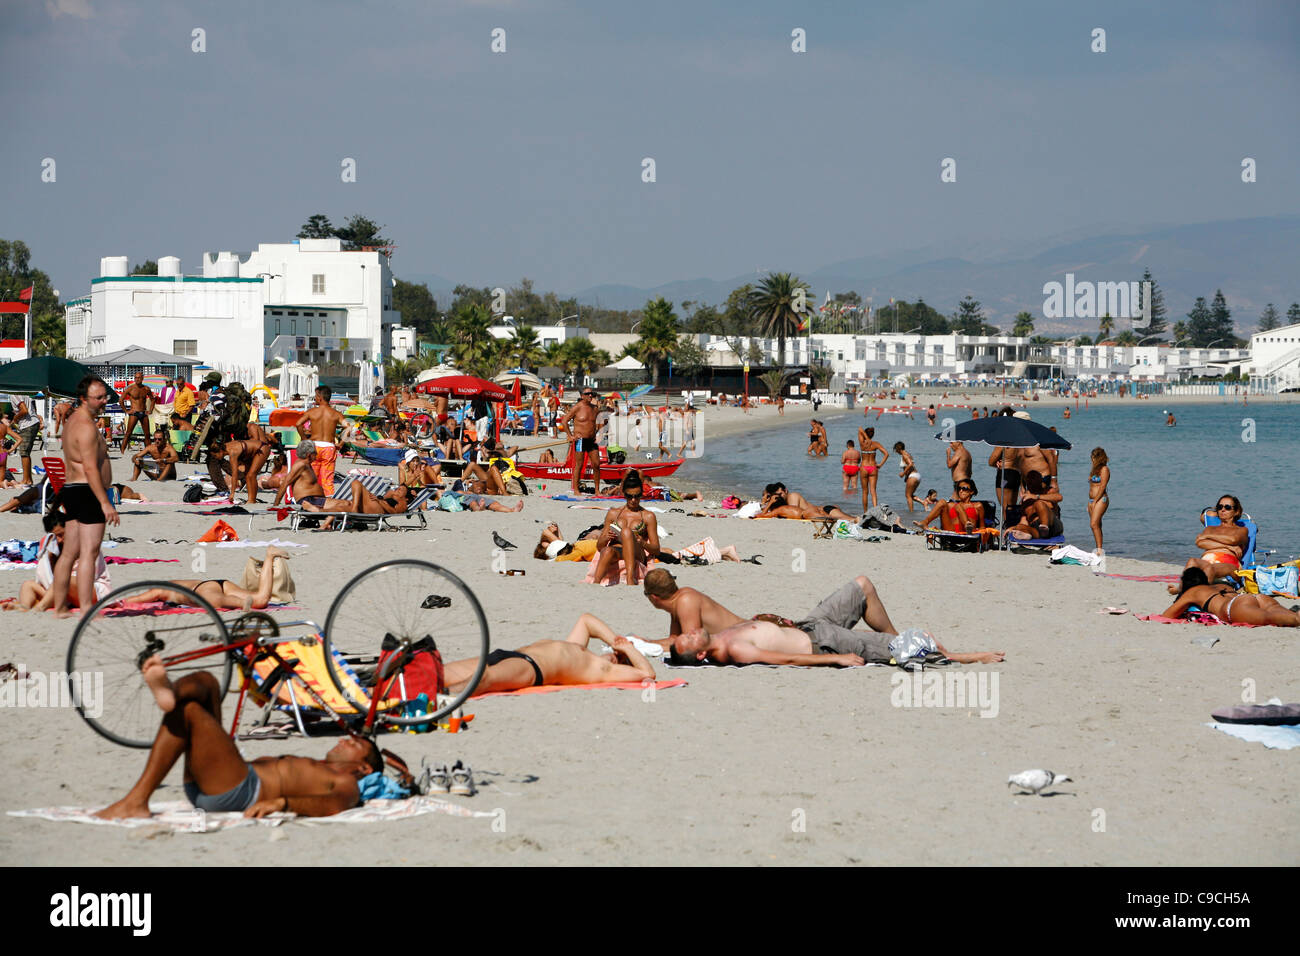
x=485 y=167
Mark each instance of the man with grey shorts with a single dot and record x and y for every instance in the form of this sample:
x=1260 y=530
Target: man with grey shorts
x=830 y=625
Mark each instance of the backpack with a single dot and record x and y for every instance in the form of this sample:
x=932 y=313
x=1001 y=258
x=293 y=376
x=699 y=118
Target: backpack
x=422 y=673
x=233 y=407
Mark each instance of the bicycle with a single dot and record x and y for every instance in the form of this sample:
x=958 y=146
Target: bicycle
x=378 y=624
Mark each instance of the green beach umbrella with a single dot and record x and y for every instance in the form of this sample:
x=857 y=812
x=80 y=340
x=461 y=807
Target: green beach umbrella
x=45 y=373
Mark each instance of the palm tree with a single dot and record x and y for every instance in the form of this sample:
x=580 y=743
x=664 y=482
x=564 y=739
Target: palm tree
x=553 y=354
x=1180 y=331
x=773 y=381
x=581 y=358
x=472 y=337
x=659 y=336
x=1106 y=324
x=1024 y=325
x=1127 y=337
x=524 y=347
x=399 y=370
x=779 y=306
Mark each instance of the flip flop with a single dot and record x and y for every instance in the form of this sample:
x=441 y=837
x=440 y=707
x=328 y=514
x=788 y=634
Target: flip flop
x=1113 y=610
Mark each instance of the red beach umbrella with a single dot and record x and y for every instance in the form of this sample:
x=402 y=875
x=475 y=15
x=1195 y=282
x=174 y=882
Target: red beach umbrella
x=463 y=386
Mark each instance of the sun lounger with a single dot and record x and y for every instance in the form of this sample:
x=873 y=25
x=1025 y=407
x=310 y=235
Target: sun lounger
x=411 y=519
x=975 y=542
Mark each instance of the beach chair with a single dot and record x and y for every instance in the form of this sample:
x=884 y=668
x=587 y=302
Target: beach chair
x=1250 y=558
x=56 y=473
x=412 y=519
x=975 y=542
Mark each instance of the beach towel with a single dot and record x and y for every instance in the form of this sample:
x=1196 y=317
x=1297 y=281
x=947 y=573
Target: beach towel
x=275 y=543
x=706 y=549
x=180 y=817
x=323 y=466
x=616 y=574
x=143 y=560
x=1195 y=617
x=1163 y=578
x=1272 y=737
x=158 y=608
x=1072 y=555
x=618 y=685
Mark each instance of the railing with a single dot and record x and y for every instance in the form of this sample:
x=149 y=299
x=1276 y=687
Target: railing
x=1273 y=367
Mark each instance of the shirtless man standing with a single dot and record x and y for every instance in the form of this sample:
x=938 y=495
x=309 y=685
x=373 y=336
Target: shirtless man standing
x=555 y=662
x=84 y=495
x=389 y=403
x=138 y=401
x=163 y=454
x=60 y=414
x=216 y=776
x=958 y=462
x=580 y=426
x=321 y=423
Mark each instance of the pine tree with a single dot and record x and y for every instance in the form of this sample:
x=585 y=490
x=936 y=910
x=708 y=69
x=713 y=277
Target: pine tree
x=1293 y=314
x=1198 y=324
x=1268 y=319
x=1221 y=321
x=1157 y=324
x=969 y=319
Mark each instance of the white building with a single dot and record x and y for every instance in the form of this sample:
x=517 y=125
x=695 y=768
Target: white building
x=12 y=350
x=303 y=301
x=1275 y=359
x=546 y=334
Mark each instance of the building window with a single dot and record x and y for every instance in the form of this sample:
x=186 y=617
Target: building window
x=318 y=283
x=186 y=347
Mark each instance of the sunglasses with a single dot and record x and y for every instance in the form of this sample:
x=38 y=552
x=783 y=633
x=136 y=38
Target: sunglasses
x=1227 y=507
x=967 y=488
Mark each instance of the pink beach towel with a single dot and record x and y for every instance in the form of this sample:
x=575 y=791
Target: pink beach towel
x=615 y=574
x=551 y=688
x=157 y=608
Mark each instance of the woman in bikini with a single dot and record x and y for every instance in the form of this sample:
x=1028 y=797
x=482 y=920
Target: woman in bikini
x=1098 y=498
x=1225 y=602
x=961 y=514
x=1223 y=544
x=909 y=473
x=870 y=469
x=220 y=593
x=631 y=532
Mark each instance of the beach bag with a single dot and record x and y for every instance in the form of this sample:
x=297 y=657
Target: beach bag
x=449 y=502
x=422 y=674
x=218 y=532
x=843 y=529
x=1282 y=580
x=193 y=494
x=283 y=590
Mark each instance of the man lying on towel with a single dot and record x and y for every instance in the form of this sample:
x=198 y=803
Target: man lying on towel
x=216 y=776
x=702 y=629
x=556 y=662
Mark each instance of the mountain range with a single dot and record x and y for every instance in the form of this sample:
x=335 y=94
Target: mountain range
x=1252 y=260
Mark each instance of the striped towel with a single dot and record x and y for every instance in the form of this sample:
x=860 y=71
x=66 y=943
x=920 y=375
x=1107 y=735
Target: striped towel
x=377 y=485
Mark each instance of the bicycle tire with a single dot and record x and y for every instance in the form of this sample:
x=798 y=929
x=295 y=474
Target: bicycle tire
x=126 y=712
x=389 y=585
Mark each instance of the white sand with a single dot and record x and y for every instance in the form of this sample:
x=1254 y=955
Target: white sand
x=724 y=770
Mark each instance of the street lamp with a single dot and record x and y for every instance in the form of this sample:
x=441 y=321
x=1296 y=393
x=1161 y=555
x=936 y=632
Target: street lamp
x=567 y=317
x=635 y=325
x=1147 y=339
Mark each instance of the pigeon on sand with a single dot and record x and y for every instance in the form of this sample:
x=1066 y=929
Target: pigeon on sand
x=501 y=542
x=1035 y=781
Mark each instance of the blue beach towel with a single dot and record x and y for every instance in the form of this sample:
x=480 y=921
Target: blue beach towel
x=1285 y=737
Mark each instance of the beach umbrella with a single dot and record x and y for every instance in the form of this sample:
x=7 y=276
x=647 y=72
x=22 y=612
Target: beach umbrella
x=50 y=374
x=463 y=386
x=1005 y=431
x=516 y=393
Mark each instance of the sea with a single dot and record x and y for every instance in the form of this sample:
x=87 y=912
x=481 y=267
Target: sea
x=1161 y=476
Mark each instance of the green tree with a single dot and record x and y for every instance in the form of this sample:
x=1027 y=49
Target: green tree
x=16 y=274
x=1268 y=319
x=360 y=231
x=1180 y=331
x=418 y=308
x=1221 y=327
x=581 y=358
x=1083 y=340
x=969 y=319
x=780 y=306
x=1199 y=323
x=1127 y=337
x=1024 y=326
x=773 y=381
x=737 y=312
x=472 y=346
x=705 y=318
x=147 y=268
x=1156 y=326
x=317 y=227
x=525 y=349
x=1293 y=314
x=689 y=358
x=659 y=335
x=1107 y=325
x=553 y=354
x=49 y=334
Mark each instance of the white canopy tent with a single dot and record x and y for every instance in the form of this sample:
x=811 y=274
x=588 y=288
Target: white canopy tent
x=293 y=378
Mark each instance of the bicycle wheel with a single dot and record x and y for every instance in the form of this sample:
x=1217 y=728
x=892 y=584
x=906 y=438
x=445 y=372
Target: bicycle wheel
x=112 y=641
x=392 y=607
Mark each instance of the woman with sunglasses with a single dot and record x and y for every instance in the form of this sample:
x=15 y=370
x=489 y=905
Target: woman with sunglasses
x=961 y=514
x=1223 y=544
x=631 y=533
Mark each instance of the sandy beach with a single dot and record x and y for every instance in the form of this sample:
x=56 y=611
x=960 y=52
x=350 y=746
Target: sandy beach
x=744 y=765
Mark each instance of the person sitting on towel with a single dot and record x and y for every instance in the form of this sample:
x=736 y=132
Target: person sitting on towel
x=555 y=663
x=702 y=629
x=217 y=778
x=1040 y=509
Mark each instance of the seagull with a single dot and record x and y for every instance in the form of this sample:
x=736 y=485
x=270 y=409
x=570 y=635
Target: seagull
x=501 y=542
x=1036 y=780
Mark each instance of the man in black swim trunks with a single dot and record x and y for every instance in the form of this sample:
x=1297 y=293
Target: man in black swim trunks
x=583 y=434
x=556 y=662
x=138 y=400
x=85 y=494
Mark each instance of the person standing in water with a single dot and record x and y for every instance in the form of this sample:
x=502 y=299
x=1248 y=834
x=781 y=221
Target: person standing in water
x=870 y=469
x=908 y=472
x=850 y=460
x=1098 y=496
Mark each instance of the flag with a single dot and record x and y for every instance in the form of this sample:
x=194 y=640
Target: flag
x=26 y=294
x=803 y=326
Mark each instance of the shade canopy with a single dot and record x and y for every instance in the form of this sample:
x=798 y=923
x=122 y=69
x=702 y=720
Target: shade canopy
x=463 y=386
x=1005 y=431
x=628 y=364
x=526 y=379
x=50 y=374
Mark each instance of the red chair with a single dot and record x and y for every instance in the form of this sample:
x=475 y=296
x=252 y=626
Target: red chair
x=56 y=473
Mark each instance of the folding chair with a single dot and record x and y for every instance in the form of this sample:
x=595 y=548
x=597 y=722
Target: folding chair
x=56 y=473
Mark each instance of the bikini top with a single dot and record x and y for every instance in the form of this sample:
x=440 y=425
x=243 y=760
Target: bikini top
x=1095 y=479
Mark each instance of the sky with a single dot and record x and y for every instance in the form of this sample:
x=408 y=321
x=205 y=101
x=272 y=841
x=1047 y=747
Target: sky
x=487 y=166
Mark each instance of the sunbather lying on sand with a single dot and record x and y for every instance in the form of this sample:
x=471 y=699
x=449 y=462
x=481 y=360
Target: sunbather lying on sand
x=780 y=503
x=555 y=662
x=1225 y=602
x=702 y=628
x=216 y=776
x=220 y=593
x=552 y=546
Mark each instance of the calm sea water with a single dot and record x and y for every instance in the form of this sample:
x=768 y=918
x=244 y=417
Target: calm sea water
x=1161 y=477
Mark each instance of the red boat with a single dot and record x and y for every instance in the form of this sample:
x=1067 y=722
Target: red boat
x=563 y=470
